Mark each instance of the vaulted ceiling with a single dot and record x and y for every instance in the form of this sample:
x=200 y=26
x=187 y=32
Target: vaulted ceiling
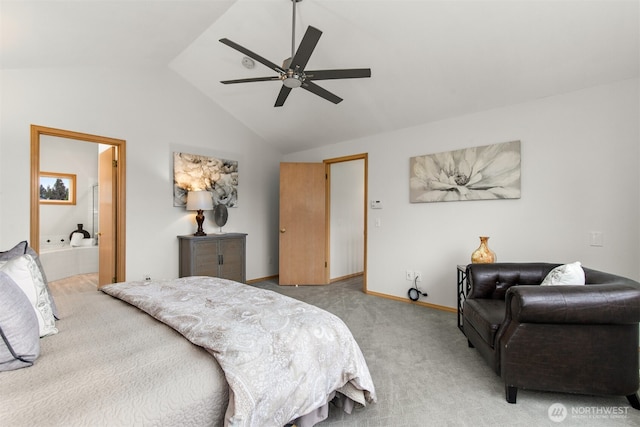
x=430 y=59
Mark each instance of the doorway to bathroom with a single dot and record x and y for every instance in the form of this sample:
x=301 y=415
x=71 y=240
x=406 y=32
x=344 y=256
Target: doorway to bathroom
x=110 y=180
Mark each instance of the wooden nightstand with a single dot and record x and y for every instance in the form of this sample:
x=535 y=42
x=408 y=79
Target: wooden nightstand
x=217 y=255
x=463 y=290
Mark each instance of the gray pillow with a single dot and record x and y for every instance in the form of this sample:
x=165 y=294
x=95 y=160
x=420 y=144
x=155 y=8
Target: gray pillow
x=17 y=250
x=23 y=248
x=19 y=332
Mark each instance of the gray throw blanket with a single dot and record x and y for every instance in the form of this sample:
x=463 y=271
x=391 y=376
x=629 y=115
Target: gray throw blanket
x=282 y=358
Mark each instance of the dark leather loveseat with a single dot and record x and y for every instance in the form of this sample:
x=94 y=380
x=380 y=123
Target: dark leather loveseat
x=572 y=339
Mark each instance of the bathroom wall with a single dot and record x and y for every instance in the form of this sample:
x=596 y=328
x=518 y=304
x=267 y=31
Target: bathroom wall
x=68 y=156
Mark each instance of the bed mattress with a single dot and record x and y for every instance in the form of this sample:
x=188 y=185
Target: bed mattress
x=109 y=365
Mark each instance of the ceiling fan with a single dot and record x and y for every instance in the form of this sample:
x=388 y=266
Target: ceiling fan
x=292 y=73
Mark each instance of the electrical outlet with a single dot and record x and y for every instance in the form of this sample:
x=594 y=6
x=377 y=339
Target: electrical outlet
x=418 y=276
x=409 y=275
x=147 y=277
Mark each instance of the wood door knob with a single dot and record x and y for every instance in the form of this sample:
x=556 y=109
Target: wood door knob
x=283 y=230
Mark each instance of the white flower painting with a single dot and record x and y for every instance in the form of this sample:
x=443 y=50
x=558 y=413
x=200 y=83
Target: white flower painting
x=193 y=172
x=478 y=173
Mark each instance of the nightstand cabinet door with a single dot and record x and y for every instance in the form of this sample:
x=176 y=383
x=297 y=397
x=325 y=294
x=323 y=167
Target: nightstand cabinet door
x=231 y=262
x=216 y=255
x=204 y=258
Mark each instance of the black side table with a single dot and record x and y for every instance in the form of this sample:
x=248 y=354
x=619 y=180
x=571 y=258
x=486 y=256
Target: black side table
x=463 y=290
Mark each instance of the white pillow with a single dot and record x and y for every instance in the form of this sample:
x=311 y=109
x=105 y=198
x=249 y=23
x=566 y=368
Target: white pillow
x=25 y=272
x=567 y=274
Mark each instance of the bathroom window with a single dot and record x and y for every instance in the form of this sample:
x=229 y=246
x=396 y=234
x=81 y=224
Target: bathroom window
x=57 y=188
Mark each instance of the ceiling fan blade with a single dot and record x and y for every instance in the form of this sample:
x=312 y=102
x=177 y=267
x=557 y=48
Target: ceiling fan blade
x=314 y=88
x=282 y=96
x=307 y=45
x=352 y=73
x=252 y=55
x=255 y=79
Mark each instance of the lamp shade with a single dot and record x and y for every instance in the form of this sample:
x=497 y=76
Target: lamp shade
x=199 y=200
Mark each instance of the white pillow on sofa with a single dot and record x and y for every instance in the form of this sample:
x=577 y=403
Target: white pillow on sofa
x=567 y=274
x=25 y=273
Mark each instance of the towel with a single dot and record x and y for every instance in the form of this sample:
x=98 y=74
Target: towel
x=76 y=239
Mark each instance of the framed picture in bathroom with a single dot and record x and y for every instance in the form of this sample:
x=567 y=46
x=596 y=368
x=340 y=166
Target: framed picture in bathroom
x=57 y=188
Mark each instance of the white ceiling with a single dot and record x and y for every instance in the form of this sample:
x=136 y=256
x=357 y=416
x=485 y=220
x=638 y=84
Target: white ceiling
x=430 y=59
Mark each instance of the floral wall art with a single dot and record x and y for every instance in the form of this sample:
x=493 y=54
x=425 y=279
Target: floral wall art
x=193 y=172
x=478 y=173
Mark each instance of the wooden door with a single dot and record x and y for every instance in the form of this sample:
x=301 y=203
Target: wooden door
x=303 y=224
x=107 y=164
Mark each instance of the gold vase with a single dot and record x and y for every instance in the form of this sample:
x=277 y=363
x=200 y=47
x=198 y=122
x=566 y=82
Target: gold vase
x=483 y=255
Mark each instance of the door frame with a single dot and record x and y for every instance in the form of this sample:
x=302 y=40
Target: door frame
x=328 y=163
x=120 y=198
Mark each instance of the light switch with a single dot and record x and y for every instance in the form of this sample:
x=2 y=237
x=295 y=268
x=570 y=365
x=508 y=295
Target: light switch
x=378 y=222
x=596 y=238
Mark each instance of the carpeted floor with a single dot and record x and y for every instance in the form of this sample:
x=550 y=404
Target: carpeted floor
x=426 y=375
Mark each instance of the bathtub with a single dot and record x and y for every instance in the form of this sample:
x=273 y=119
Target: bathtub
x=60 y=260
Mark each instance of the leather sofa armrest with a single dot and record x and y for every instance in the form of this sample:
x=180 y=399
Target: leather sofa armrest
x=590 y=304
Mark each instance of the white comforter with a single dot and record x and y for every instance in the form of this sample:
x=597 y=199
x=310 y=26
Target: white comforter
x=281 y=357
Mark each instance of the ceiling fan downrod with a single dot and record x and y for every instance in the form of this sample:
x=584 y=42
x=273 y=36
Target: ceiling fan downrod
x=293 y=29
x=292 y=79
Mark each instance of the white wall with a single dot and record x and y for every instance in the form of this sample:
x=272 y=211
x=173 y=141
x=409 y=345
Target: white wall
x=347 y=219
x=155 y=111
x=580 y=155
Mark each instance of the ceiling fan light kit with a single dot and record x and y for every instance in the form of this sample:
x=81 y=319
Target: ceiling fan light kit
x=292 y=79
x=292 y=73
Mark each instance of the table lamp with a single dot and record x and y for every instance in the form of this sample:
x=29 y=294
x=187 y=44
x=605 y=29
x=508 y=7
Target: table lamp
x=199 y=201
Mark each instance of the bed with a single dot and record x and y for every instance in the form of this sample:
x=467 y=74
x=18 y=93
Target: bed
x=114 y=363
